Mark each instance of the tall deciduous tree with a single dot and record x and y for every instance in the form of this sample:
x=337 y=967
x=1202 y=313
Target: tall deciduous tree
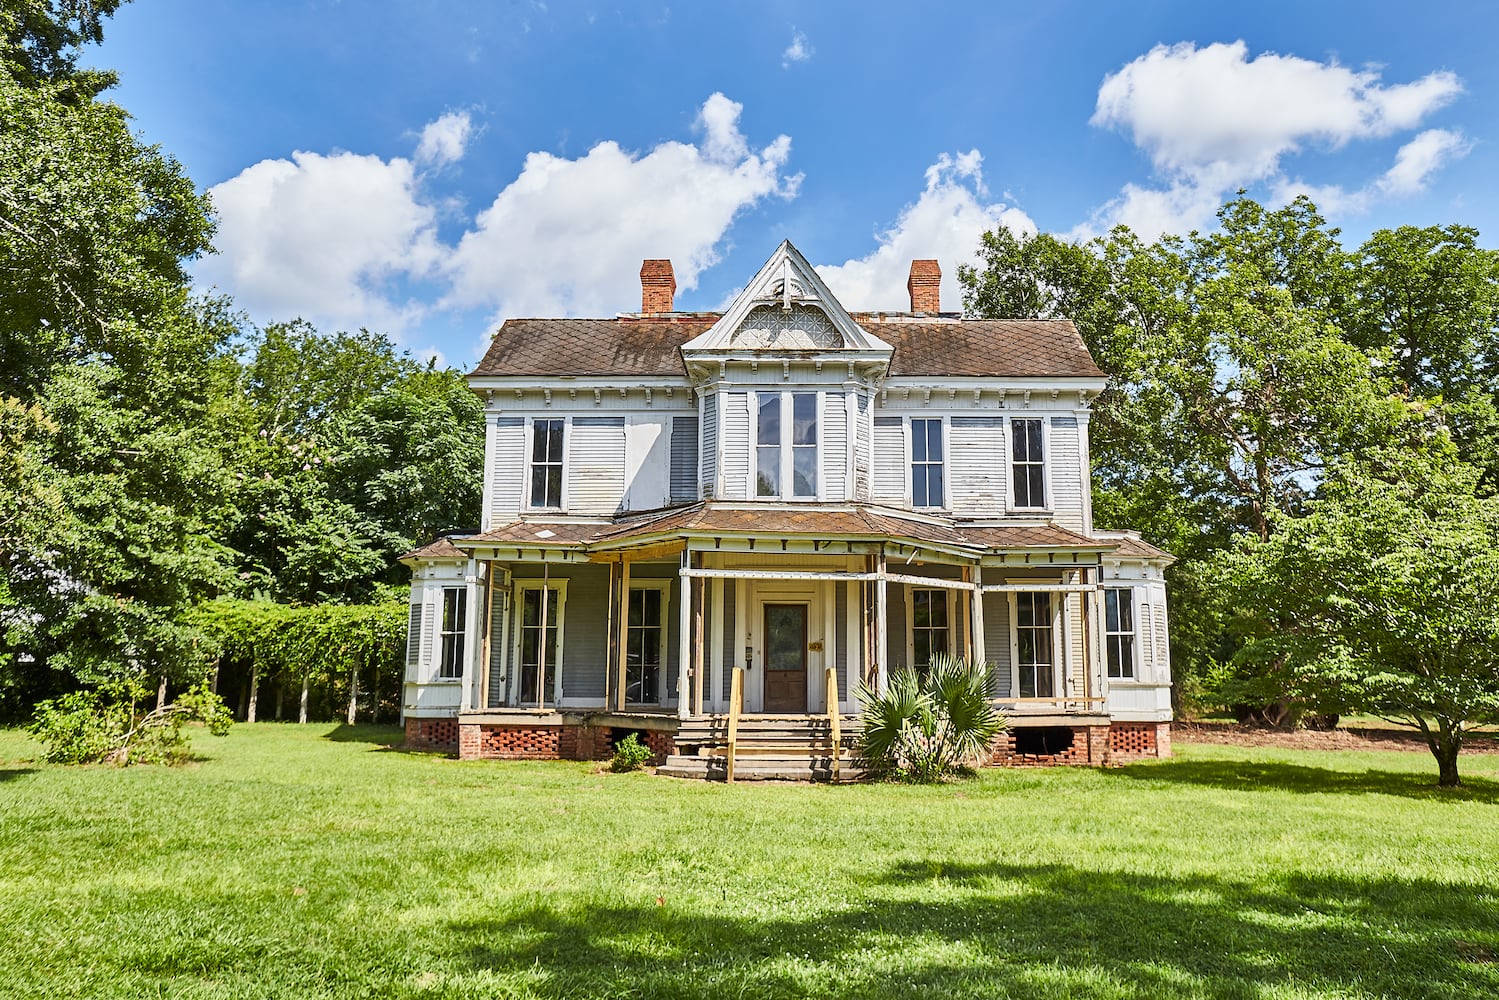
x=1383 y=598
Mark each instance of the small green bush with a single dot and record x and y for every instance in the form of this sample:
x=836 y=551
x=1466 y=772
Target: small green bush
x=629 y=754
x=928 y=728
x=102 y=726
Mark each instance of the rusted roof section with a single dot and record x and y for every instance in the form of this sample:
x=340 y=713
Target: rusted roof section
x=632 y=345
x=1024 y=536
x=625 y=346
x=987 y=347
x=1137 y=548
x=539 y=533
x=443 y=548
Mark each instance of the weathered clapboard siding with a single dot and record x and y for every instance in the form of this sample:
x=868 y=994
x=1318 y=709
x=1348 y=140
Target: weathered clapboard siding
x=1064 y=466
x=684 y=472
x=863 y=436
x=735 y=448
x=730 y=644
x=840 y=641
x=997 y=643
x=895 y=631
x=834 y=444
x=507 y=474
x=976 y=461
x=889 y=460
x=709 y=459
x=596 y=475
x=1072 y=626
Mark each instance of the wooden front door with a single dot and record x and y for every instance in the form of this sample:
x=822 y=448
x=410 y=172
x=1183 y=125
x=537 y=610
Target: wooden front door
x=785 y=657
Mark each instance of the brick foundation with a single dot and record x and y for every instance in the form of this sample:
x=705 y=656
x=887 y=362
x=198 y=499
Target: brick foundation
x=1096 y=746
x=432 y=734
x=1139 y=741
x=483 y=741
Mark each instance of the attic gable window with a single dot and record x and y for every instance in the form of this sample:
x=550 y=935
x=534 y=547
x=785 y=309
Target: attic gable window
x=546 y=463
x=783 y=458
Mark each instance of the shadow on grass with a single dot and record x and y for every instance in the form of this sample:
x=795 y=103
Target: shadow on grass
x=1245 y=775
x=384 y=737
x=945 y=927
x=12 y=773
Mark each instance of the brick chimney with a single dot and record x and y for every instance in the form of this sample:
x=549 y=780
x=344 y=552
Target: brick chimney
x=925 y=286
x=658 y=285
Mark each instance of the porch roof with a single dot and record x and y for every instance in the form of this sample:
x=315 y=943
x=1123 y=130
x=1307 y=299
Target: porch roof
x=840 y=522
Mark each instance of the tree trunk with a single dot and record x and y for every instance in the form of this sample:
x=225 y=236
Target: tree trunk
x=280 y=697
x=302 y=712
x=254 y=694
x=215 y=686
x=244 y=700
x=353 y=693
x=375 y=698
x=1446 y=742
x=161 y=692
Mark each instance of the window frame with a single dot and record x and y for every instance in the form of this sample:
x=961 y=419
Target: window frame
x=667 y=679
x=1131 y=635
x=528 y=491
x=942 y=463
x=1051 y=629
x=452 y=642
x=515 y=669
x=1012 y=463
x=785 y=445
x=950 y=629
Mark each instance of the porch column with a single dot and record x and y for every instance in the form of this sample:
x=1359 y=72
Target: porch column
x=976 y=616
x=624 y=618
x=699 y=675
x=486 y=626
x=474 y=639
x=684 y=641
x=881 y=611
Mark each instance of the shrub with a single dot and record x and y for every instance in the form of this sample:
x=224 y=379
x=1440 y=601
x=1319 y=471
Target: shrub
x=629 y=754
x=90 y=727
x=927 y=728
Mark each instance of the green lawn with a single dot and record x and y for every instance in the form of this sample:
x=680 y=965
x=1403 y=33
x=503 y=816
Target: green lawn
x=312 y=861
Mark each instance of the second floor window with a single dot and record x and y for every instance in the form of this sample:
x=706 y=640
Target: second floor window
x=1119 y=631
x=546 y=463
x=1028 y=462
x=926 y=463
x=781 y=457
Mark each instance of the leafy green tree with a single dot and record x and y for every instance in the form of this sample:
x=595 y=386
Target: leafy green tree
x=1383 y=598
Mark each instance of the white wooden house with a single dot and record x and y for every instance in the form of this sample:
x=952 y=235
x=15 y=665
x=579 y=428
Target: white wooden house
x=784 y=487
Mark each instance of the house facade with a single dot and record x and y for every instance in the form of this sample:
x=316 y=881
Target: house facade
x=812 y=495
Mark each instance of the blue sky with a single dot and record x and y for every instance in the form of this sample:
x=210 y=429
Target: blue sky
x=428 y=168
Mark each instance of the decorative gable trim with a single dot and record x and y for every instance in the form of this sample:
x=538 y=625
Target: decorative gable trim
x=786 y=288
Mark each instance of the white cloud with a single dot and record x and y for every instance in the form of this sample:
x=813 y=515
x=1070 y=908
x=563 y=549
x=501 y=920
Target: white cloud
x=945 y=223
x=567 y=237
x=1212 y=119
x=1414 y=164
x=800 y=50
x=322 y=237
x=444 y=141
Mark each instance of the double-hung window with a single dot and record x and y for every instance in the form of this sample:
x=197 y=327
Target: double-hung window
x=454 y=625
x=786 y=445
x=1119 y=631
x=546 y=463
x=645 y=646
x=1034 y=653
x=926 y=463
x=930 y=626
x=1028 y=462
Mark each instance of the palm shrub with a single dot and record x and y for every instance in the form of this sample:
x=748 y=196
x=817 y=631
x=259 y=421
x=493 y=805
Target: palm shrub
x=931 y=727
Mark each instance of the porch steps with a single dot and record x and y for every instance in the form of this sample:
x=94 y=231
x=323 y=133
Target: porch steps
x=770 y=748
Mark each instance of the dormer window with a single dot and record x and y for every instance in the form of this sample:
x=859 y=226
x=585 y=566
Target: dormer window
x=786 y=445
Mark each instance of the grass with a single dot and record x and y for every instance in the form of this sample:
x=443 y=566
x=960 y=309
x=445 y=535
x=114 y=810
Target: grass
x=313 y=861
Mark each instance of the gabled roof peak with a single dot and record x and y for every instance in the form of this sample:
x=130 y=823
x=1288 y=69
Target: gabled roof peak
x=785 y=306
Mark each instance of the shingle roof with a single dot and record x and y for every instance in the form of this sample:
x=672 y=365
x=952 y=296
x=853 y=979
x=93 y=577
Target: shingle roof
x=443 y=548
x=1137 y=548
x=781 y=522
x=1049 y=536
x=649 y=346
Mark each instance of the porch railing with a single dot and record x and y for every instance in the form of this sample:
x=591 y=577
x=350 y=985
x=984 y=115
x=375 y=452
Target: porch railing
x=1061 y=703
x=835 y=719
x=736 y=709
